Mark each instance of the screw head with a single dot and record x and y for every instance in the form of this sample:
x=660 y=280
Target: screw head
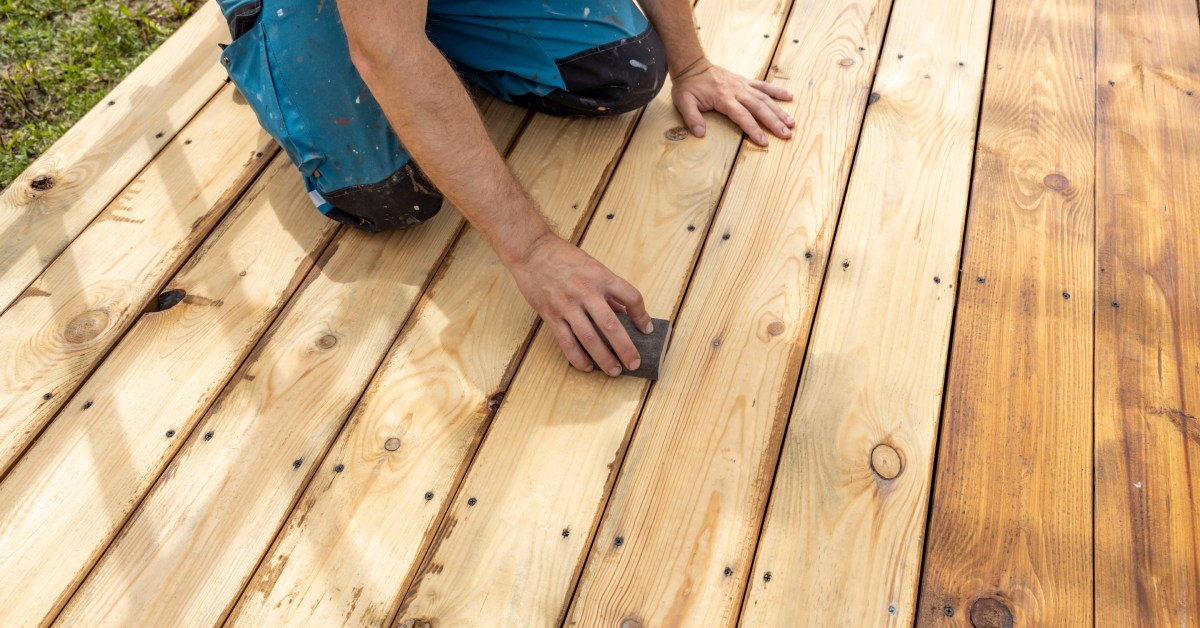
x=208 y=435
x=472 y=501
x=949 y=611
x=170 y=433
x=339 y=468
x=619 y=541
x=48 y=396
x=1116 y=304
x=728 y=571
x=297 y=462
x=566 y=533
x=767 y=577
x=428 y=495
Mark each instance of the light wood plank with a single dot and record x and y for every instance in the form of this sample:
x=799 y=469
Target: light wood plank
x=423 y=416
x=72 y=491
x=197 y=538
x=49 y=204
x=85 y=301
x=547 y=463
x=691 y=498
x=1147 y=452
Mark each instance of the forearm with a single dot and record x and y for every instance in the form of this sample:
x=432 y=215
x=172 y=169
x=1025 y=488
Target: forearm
x=440 y=127
x=676 y=25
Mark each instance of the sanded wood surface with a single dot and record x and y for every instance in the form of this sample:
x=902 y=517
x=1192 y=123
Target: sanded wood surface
x=49 y=204
x=1147 y=451
x=136 y=410
x=677 y=540
x=364 y=529
x=68 y=319
x=197 y=538
x=1010 y=530
x=546 y=466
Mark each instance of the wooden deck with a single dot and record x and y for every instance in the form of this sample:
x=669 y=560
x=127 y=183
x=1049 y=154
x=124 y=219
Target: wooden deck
x=936 y=359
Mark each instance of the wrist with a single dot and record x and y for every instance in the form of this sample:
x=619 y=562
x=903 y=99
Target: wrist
x=696 y=65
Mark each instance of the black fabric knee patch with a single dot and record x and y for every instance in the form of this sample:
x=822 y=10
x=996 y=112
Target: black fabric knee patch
x=607 y=80
x=403 y=200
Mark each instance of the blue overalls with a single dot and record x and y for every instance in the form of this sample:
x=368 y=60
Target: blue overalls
x=291 y=61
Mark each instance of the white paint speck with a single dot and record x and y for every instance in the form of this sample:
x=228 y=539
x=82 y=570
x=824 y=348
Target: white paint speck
x=1137 y=485
x=416 y=208
x=638 y=64
x=279 y=13
x=358 y=100
x=587 y=11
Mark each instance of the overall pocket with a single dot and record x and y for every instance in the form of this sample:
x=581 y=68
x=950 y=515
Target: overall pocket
x=248 y=62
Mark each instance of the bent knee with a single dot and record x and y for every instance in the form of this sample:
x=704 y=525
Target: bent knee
x=607 y=80
x=403 y=200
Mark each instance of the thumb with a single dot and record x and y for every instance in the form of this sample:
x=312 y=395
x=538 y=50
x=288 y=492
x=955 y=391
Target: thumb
x=689 y=108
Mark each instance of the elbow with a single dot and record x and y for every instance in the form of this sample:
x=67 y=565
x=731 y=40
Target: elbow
x=384 y=56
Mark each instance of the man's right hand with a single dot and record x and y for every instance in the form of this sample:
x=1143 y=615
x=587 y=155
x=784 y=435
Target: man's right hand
x=569 y=289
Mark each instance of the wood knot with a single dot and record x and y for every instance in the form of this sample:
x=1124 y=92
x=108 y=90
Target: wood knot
x=846 y=62
x=327 y=342
x=631 y=622
x=874 y=98
x=886 y=462
x=86 y=326
x=43 y=182
x=416 y=623
x=1056 y=182
x=392 y=444
x=991 y=612
x=167 y=300
x=775 y=328
x=676 y=134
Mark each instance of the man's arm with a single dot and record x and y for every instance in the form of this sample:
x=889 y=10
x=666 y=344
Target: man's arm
x=440 y=127
x=699 y=86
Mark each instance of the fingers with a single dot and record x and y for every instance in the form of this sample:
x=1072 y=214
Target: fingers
x=783 y=116
x=632 y=304
x=689 y=108
x=570 y=346
x=735 y=110
x=768 y=113
x=615 y=332
x=774 y=91
x=586 y=332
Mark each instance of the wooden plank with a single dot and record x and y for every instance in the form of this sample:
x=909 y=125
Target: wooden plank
x=72 y=491
x=196 y=539
x=1147 y=445
x=1010 y=536
x=423 y=416
x=691 y=497
x=85 y=301
x=856 y=509
x=49 y=204
x=547 y=463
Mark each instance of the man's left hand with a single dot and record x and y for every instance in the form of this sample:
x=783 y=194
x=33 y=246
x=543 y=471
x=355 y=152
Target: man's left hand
x=749 y=103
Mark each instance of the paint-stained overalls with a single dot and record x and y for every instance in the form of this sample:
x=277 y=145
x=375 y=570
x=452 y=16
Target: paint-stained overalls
x=290 y=60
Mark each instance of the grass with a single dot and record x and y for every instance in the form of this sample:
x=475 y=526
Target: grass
x=58 y=58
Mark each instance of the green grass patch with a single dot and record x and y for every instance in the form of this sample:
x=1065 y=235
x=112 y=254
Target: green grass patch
x=58 y=58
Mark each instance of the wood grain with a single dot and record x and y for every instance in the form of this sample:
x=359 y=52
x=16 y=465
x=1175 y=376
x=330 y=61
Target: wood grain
x=63 y=325
x=551 y=452
x=1147 y=451
x=354 y=541
x=691 y=497
x=94 y=160
x=200 y=533
x=1010 y=533
x=72 y=491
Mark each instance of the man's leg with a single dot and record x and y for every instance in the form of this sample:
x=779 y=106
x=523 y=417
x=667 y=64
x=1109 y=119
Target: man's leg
x=290 y=60
x=567 y=57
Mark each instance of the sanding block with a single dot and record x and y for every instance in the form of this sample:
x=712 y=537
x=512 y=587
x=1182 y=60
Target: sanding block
x=652 y=346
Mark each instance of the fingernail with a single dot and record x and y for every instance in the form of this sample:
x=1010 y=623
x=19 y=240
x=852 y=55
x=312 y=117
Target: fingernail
x=649 y=328
x=698 y=131
x=790 y=119
x=614 y=371
x=633 y=366
x=762 y=139
x=588 y=369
